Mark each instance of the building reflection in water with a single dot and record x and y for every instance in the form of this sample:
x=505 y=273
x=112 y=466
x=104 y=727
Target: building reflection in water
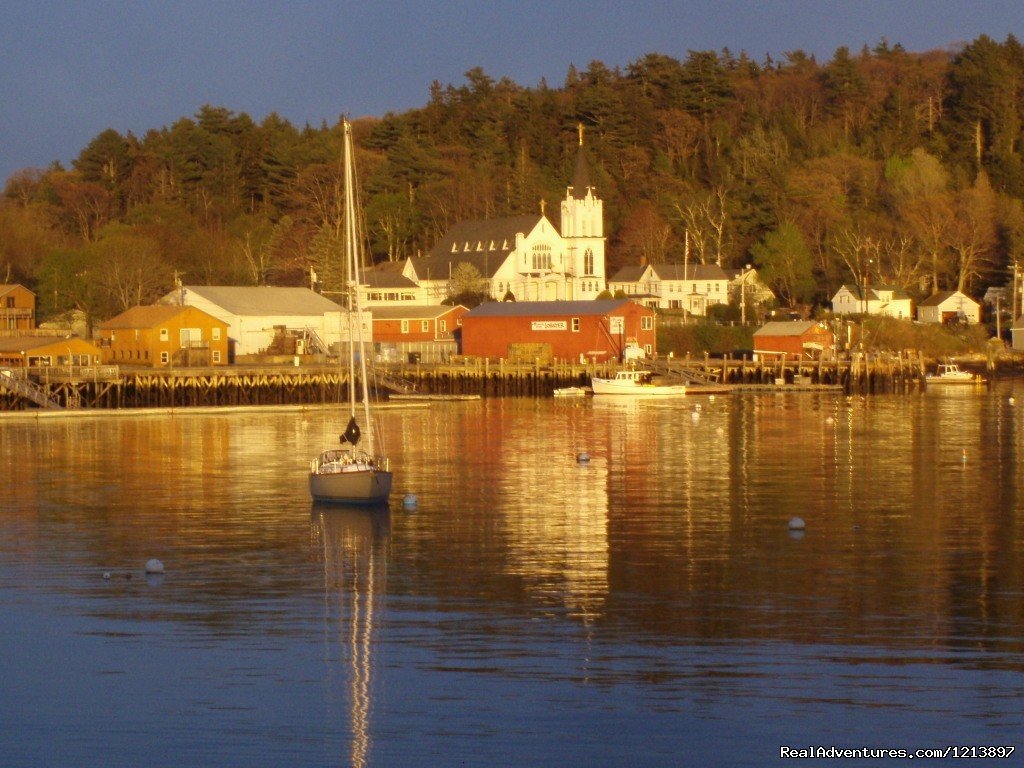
x=354 y=546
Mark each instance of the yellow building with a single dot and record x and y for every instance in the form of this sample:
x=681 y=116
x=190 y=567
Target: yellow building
x=162 y=336
x=46 y=351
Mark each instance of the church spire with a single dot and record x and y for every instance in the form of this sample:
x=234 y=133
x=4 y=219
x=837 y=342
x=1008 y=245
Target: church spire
x=581 y=183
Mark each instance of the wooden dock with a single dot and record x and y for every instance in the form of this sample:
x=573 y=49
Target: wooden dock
x=111 y=387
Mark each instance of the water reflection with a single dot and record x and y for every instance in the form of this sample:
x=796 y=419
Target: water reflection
x=354 y=543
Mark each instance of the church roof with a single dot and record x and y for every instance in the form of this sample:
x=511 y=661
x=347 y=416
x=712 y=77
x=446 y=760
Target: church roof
x=484 y=243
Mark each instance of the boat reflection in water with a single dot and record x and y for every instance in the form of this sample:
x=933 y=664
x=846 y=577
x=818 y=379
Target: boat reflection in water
x=354 y=543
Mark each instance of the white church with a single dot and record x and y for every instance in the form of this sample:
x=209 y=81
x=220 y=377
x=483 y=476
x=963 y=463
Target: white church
x=523 y=257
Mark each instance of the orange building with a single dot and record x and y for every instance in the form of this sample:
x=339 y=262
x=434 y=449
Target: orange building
x=796 y=340
x=163 y=335
x=568 y=330
x=47 y=351
x=434 y=322
x=17 y=308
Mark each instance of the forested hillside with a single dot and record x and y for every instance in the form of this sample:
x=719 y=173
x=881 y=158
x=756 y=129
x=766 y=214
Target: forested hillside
x=895 y=167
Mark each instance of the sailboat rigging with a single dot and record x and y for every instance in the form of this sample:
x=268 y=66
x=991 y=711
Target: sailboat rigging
x=353 y=474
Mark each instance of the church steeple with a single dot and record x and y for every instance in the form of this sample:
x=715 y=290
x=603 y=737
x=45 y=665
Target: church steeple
x=582 y=228
x=581 y=184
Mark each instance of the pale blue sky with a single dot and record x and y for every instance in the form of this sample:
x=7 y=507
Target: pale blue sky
x=69 y=70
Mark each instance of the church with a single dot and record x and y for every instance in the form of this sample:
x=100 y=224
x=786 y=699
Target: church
x=525 y=258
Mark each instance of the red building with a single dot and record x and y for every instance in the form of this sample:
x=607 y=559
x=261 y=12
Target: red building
x=416 y=323
x=797 y=339
x=567 y=330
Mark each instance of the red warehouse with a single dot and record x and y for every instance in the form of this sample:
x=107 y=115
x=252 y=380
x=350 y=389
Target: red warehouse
x=416 y=323
x=598 y=330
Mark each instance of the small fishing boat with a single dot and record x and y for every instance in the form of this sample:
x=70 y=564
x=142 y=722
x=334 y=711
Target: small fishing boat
x=571 y=392
x=636 y=383
x=351 y=474
x=950 y=373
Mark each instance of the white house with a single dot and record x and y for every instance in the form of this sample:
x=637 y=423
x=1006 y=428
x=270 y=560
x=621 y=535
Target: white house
x=526 y=257
x=693 y=287
x=385 y=286
x=877 y=300
x=257 y=315
x=946 y=306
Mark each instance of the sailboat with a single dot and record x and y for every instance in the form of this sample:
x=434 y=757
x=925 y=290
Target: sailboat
x=357 y=472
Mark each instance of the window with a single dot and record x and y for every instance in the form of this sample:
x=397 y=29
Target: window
x=215 y=334
x=648 y=350
x=164 y=357
x=424 y=325
x=541 y=257
x=163 y=334
x=405 y=326
x=646 y=323
x=442 y=326
x=588 y=262
x=216 y=355
x=575 y=325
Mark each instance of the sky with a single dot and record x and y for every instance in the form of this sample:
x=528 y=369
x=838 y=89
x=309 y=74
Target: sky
x=70 y=70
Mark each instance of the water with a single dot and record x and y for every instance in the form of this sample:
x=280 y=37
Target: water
x=649 y=607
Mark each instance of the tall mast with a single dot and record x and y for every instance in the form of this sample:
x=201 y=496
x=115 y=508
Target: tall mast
x=353 y=262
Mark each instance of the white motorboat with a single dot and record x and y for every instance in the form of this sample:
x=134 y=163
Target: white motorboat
x=636 y=383
x=351 y=474
x=570 y=392
x=950 y=373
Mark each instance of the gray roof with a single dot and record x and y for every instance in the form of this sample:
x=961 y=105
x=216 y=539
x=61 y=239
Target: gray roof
x=898 y=293
x=630 y=274
x=377 y=278
x=484 y=243
x=785 y=328
x=689 y=272
x=415 y=312
x=937 y=298
x=633 y=273
x=546 y=308
x=263 y=300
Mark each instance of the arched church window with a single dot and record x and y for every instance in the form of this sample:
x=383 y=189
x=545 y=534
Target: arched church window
x=588 y=262
x=541 y=257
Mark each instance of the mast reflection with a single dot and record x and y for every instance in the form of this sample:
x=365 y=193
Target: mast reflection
x=354 y=544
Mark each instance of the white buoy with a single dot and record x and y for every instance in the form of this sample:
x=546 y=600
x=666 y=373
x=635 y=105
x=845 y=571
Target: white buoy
x=720 y=431
x=410 y=501
x=106 y=575
x=963 y=456
x=154 y=566
x=796 y=524
x=711 y=398
x=582 y=457
x=1011 y=401
x=695 y=415
x=830 y=421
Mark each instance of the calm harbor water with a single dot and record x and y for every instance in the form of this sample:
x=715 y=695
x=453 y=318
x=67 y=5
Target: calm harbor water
x=650 y=607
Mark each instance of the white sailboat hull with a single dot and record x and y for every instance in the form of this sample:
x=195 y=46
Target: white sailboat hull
x=363 y=486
